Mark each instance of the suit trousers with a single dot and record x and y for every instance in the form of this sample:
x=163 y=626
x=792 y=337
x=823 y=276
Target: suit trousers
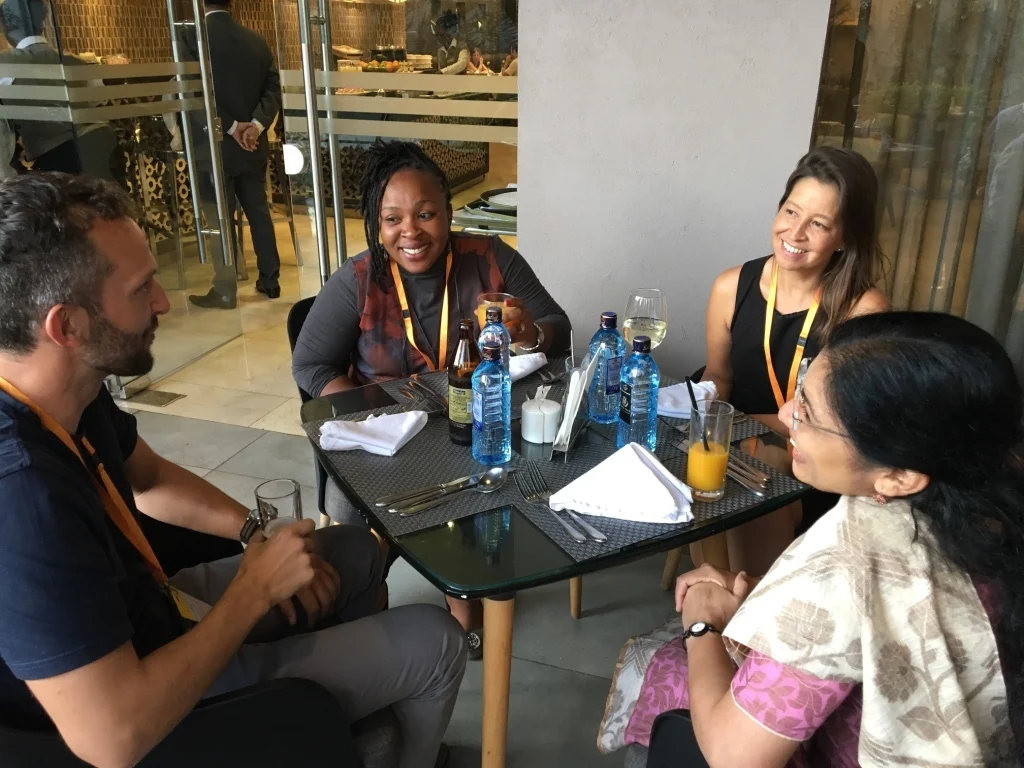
x=410 y=658
x=248 y=187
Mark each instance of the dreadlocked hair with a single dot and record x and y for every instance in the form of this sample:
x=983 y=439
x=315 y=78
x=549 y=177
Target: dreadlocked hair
x=384 y=160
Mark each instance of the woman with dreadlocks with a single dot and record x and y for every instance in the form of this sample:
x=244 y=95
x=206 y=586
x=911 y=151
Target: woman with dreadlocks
x=355 y=333
x=415 y=266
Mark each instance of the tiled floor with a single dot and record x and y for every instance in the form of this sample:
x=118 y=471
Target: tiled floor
x=561 y=667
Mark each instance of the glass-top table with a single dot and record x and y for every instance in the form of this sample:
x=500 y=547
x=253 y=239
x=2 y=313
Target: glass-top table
x=494 y=554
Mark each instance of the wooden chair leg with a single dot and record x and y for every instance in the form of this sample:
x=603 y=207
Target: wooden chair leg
x=575 y=596
x=696 y=554
x=716 y=551
x=668 y=576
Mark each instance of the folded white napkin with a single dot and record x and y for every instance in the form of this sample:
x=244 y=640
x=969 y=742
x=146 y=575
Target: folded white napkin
x=382 y=435
x=521 y=366
x=674 y=401
x=631 y=484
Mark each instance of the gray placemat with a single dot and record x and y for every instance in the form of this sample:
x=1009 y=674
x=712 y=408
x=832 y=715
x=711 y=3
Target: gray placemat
x=623 y=533
x=430 y=457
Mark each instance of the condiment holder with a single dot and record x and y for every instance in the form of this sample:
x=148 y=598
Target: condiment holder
x=574 y=411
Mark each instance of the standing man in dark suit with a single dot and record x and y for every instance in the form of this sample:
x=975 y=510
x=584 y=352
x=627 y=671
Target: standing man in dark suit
x=248 y=92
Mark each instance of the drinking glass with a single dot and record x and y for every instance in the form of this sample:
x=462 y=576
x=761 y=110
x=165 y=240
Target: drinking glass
x=485 y=300
x=710 y=438
x=279 y=503
x=646 y=315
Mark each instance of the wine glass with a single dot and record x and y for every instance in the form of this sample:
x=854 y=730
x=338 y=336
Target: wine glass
x=646 y=315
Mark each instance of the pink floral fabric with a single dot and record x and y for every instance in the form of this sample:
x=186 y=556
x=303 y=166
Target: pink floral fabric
x=784 y=700
x=666 y=687
x=788 y=702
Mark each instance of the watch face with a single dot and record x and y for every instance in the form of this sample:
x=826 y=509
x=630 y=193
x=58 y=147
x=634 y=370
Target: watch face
x=698 y=629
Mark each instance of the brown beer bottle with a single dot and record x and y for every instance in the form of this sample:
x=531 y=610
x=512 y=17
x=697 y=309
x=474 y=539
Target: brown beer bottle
x=460 y=386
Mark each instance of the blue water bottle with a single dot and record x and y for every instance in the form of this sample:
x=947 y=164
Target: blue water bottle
x=638 y=397
x=609 y=349
x=495 y=332
x=492 y=409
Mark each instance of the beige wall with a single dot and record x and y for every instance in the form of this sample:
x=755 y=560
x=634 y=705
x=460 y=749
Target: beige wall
x=655 y=152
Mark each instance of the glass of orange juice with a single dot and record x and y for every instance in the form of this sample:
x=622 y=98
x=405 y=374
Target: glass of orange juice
x=710 y=438
x=485 y=300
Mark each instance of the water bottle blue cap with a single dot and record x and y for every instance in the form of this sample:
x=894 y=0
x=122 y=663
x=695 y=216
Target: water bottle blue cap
x=642 y=344
x=493 y=314
x=609 y=320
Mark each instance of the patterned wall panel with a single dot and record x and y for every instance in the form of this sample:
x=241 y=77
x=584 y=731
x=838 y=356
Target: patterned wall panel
x=136 y=28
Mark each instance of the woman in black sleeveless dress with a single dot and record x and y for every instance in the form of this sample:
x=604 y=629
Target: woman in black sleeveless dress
x=821 y=272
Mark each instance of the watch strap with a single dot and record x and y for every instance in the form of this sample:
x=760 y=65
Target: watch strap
x=250 y=526
x=699 y=629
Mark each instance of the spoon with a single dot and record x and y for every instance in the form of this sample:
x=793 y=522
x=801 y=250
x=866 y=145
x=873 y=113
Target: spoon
x=490 y=481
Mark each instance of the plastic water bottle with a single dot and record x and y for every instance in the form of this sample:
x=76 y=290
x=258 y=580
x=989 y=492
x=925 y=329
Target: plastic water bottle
x=495 y=332
x=492 y=409
x=638 y=397
x=609 y=349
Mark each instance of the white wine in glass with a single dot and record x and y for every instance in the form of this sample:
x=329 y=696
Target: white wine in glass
x=646 y=315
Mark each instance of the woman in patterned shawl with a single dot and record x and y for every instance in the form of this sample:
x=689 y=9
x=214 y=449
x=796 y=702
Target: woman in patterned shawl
x=891 y=633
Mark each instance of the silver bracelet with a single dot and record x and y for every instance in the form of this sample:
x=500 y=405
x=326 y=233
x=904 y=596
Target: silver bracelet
x=540 y=341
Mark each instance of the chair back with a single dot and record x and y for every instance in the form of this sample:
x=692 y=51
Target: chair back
x=296 y=318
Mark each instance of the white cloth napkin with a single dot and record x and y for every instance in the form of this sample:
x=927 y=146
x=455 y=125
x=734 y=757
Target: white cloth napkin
x=675 y=402
x=521 y=366
x=382 y=435
x=631 y=484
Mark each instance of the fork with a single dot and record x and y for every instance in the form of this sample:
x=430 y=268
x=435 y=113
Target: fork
x=550 y=377
x=535 y=490
x=430 y=406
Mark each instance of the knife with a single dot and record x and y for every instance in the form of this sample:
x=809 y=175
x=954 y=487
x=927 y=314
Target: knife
x=428 y=393
x=405 y=509
x=406 y=504
x=591 y=531
x=387 y=501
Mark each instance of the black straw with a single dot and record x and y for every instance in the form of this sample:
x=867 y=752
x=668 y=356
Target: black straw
x=704 y=428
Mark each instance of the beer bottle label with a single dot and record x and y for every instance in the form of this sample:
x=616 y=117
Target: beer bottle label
x=626 y=403
x=460 y=405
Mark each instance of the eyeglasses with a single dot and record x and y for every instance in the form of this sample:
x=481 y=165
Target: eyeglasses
x=799 y=401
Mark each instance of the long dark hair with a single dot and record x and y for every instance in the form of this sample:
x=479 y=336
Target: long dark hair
x=384 y=160
x=935 y=394
x=854 y=269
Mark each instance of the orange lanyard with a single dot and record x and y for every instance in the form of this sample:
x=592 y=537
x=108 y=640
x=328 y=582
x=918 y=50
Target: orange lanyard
x=113 y=502
x=769 y=315
x=442 y=357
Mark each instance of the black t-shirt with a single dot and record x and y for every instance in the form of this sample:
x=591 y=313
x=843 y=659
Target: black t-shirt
x=74 y=589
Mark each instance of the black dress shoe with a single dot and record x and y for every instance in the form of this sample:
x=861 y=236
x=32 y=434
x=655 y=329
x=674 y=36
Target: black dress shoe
x=214 y=300
x=270 y=293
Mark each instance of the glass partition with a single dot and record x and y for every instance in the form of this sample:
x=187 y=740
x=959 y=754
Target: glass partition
x=401 y=70
x=932 y=92
x=97 y=88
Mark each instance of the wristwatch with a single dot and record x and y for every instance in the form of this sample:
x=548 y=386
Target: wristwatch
x=539 y=342
x=252 y=524
x=699 y=629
